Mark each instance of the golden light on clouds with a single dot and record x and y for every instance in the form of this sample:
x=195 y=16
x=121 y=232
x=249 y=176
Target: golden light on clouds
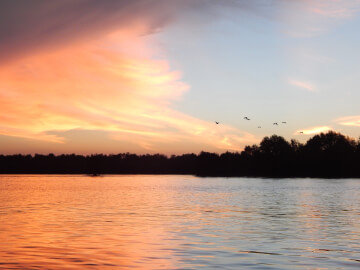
x=313 y=130
x=94 y=76
x=349 y=121
x=105 y=87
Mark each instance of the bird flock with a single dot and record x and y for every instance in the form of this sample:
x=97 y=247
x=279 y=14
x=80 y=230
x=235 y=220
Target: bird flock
x=274 y=124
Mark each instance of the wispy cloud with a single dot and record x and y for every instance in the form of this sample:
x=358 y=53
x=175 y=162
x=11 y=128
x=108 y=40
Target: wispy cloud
x=79 y=66
x=36 y=25
x=308 y=18
x=349 y=121
x=110 y=88
x=41 y=24
x=303 y=85
x=313 y=130
x=339 y=9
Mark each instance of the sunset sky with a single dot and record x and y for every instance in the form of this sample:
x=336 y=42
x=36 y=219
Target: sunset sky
x=152 y=76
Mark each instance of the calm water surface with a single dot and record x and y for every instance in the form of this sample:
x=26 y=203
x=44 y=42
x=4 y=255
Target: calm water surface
x=178 y=222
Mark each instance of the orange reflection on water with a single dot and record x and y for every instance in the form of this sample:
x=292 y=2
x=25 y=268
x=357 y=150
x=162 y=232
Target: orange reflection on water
x=172 y=222
x=77 y=228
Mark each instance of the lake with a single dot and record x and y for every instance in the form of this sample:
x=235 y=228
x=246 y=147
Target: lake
x=178 y=222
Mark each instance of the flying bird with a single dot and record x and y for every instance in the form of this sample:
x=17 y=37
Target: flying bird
x=259 y=127
x=275 y=123
x=301 y=132
x=246 y=118
x=283 y=122
x=217 y=122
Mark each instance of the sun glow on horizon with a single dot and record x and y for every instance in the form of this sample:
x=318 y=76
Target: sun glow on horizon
x=313 y=130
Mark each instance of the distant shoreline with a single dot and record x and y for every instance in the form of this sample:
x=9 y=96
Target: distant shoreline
x=327 y=155
x=164 y=174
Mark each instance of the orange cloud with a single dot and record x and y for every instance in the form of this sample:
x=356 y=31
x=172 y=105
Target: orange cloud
x=313 y=130
x=349 y=121
x=104 y=86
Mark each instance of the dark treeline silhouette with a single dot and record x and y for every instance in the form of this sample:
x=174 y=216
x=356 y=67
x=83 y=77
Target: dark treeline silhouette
x=328 y=155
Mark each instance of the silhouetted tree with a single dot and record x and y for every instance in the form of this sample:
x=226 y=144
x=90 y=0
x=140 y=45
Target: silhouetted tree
x=275 y=146
x=331 y=143
x=296 y=146
x=328 y=154
x=251 y=150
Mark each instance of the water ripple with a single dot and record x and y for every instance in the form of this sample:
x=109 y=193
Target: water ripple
x=178 y=222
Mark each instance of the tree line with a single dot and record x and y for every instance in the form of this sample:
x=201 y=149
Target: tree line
x=329 y=155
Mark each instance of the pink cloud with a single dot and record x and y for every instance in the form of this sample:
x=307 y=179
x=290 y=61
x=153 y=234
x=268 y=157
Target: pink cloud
x=37 y=25
x=310 y=18
x=302 y=84
x=334 y=8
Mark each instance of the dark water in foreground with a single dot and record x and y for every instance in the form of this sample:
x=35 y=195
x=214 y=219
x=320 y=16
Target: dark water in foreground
x=178 y=222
